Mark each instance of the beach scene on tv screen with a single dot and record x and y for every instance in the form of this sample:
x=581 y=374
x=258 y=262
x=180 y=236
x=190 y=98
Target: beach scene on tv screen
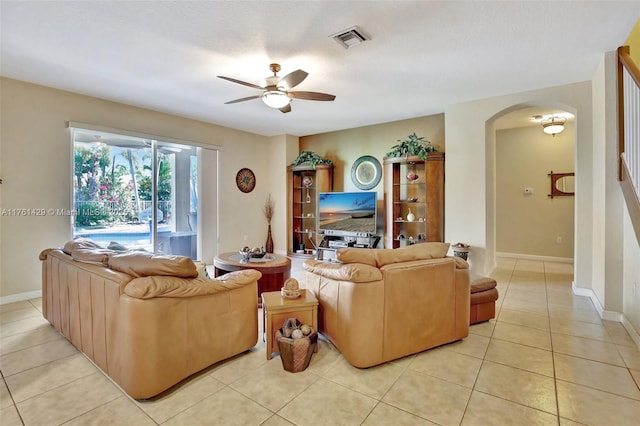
x=347 y=211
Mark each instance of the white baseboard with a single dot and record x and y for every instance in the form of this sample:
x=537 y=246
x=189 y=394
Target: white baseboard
x=632 y=331
x=20 y=297
x=535 y=257
x=604 y=314
x=608 y=315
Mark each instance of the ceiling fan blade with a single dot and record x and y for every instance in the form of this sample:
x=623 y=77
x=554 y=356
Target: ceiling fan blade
x=248 y=98
x=286 y=108
x=311 y=96
x=244 y=83
x=292 y=79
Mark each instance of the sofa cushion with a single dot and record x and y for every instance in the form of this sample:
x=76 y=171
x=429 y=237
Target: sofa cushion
x=114 y=245
x=78 y=243
x=461 y=263
x=422 y=251
x=356 y=255
x=159 y=286
x=143 y=264
x=381 y=257
x=480 y=284
x=85 y=250
x=354 y=272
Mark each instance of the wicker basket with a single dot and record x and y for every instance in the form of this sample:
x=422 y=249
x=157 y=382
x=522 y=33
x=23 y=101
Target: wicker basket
x=295 y=354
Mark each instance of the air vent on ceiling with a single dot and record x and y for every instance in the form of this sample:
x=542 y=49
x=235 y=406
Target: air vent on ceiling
x=350 y=37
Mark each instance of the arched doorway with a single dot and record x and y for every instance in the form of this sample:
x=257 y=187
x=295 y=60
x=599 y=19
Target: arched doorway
x=522 y=219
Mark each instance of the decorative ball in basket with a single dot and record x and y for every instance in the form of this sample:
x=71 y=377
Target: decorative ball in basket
x=296 y=344
x=291 y=289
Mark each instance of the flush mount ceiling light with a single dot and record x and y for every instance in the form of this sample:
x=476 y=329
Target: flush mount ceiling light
x=554 y=125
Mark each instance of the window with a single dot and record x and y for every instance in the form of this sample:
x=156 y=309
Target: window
x=136 y=192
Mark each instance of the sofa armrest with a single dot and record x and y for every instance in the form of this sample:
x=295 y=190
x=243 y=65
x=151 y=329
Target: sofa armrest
x=460 y=262
x=165 y=286
x=353 y=272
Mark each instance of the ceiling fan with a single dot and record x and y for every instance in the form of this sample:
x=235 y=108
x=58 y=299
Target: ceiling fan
x=276 y=91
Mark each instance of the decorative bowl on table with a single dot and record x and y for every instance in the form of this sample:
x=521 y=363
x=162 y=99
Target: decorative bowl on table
x=251 y=253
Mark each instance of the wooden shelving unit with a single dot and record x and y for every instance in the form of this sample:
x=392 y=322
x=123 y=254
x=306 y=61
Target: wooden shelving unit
x=422 y=197
x=302 y=205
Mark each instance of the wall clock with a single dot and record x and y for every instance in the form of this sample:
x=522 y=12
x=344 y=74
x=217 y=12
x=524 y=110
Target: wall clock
x=245 y=180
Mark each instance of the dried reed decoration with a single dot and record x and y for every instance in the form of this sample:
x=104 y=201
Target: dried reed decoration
x=269 y=207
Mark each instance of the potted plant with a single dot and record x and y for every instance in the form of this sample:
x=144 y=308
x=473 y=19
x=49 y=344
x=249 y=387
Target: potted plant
x=411 y=145
x=311 y=158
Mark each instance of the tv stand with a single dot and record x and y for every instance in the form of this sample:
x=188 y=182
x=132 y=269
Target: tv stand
x=331 y=243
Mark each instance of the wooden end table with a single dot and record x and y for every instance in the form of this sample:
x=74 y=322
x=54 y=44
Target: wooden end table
x=275 y=269
x=276 y=310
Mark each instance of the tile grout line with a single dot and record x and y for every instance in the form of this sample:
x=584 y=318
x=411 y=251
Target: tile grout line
x=553 y=356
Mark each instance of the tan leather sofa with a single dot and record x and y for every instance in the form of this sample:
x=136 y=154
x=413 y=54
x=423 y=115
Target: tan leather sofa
x=380 y=305
x=147 y=332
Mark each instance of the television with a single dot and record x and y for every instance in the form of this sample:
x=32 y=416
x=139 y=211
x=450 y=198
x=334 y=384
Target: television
x=347 y=213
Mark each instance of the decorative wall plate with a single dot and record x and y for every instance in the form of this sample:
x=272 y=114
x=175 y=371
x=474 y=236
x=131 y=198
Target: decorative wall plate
x=245 y=180
x=366 y=172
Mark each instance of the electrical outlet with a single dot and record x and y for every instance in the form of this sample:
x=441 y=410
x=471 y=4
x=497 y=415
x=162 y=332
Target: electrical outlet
x=559 y=240
x=245 y=238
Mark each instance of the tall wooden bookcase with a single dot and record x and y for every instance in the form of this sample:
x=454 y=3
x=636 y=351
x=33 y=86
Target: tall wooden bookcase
x=304 y=183
x=421 y=199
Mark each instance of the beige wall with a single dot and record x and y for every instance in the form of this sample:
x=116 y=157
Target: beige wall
x=35 y=165
x=531 y=224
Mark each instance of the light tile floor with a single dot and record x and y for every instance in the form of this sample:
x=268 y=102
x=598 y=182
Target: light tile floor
x=546 y=359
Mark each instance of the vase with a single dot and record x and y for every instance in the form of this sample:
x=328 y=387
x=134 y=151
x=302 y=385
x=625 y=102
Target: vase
x=411 y=217
x=268 y=246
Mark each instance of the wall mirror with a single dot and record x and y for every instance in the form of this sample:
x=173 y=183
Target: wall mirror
x=562 y=184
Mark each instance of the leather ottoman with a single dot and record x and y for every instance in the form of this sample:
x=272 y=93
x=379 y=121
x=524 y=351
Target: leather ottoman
x=483 y=299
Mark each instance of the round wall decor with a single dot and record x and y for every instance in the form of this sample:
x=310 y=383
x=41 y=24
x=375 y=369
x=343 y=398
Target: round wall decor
x=366 y=172
x=245 y=180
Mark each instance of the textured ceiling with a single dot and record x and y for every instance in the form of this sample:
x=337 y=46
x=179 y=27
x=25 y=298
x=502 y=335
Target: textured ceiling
x=422 y=56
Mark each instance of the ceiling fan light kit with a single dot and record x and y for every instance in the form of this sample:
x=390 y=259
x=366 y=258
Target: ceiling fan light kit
x=276 y=92
x=275 y=99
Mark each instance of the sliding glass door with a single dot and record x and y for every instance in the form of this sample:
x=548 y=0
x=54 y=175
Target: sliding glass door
x=135 y=193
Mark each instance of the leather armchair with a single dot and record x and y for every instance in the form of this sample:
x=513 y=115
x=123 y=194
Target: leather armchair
x=380 y=305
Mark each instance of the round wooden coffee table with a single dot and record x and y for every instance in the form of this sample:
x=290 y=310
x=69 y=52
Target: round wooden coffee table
x=274 y=267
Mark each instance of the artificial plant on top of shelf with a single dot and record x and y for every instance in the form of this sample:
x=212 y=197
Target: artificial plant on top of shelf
x=411 y=145
x=311 y=158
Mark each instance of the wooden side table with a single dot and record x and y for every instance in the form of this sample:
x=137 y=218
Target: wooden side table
x=276 y=310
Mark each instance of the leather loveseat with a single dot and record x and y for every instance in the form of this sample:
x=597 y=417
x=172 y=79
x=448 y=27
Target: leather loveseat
x=147 y=321
x=380 y=305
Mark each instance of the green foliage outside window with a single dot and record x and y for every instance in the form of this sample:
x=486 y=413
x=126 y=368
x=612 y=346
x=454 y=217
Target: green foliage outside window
x=109 y=184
